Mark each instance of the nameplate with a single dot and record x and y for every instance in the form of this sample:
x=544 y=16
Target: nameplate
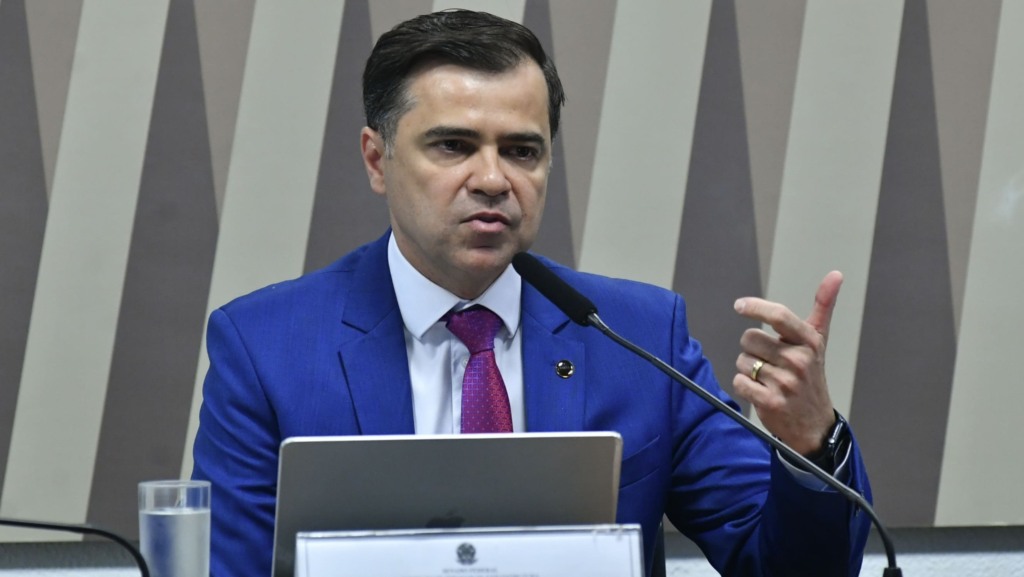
x=555 y=551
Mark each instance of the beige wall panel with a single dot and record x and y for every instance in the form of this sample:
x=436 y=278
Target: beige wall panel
x=643 y=149
x=833 y=169
x=983 y=464
x=85 y=251
x=272 y=176
x=509 y=9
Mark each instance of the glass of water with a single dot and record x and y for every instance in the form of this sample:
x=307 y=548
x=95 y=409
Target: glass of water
x=174 y=527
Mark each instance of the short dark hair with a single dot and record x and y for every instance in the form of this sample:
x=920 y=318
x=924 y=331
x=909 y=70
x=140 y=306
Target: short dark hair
x=476 y=40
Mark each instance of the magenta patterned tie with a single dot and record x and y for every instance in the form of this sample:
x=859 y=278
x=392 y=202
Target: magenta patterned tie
x=485 y=407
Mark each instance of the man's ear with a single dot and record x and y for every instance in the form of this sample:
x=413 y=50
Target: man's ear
x=372 y=146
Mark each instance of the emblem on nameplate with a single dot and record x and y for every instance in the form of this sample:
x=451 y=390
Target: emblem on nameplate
x=466 y=553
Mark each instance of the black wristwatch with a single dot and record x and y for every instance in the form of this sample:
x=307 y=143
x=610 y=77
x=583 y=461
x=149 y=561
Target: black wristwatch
x=834 y=447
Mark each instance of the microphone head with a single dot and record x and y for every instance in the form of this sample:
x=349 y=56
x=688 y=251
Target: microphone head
x=576 y=306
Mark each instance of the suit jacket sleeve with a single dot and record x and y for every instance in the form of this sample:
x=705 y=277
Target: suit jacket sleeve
x=737 y=501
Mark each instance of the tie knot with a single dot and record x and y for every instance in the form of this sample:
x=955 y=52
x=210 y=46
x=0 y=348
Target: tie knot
x=475 y=327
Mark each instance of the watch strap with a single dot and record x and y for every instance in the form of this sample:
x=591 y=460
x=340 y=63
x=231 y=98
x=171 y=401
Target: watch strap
x=834 y=446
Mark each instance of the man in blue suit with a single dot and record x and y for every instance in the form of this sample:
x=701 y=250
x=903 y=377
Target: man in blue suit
x=461 y=111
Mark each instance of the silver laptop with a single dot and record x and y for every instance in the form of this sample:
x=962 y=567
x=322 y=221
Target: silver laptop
x=442 y=481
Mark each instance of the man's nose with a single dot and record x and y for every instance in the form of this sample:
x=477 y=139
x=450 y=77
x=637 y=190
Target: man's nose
x=489 y=174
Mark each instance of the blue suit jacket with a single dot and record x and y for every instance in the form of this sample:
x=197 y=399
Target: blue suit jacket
x=324 y=354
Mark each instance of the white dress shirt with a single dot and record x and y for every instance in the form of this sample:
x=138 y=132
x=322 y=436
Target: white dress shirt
x=437 y=358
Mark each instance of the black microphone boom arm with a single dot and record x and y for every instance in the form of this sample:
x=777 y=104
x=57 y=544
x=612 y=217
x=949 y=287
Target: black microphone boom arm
x=793 y=456
x=582 y=311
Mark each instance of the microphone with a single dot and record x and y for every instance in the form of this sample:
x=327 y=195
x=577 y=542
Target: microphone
x=576 y=306
x=583 y=312
x=83 y=530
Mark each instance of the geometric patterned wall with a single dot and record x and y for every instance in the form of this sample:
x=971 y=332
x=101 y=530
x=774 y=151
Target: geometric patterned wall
x=159 y=158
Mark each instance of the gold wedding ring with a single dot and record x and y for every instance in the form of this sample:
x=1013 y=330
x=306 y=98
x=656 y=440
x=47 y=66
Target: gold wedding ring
x=756 y=369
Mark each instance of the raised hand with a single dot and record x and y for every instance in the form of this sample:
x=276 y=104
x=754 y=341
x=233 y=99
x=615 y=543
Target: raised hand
x=783 y=375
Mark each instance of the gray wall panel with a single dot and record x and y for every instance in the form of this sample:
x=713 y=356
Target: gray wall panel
x=717 y=255
x=908 y=346
x=346 y=213
x=23 y=204
x=555 y=239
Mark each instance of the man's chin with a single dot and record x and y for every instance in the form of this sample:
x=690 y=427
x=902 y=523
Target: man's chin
x=474 y=271
x=486 y=259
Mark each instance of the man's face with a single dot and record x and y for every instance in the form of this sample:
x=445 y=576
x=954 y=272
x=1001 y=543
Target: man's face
x=467 y=172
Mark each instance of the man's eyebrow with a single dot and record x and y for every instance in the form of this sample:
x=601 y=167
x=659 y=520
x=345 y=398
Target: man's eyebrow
x=527 y=137
x=451 y=132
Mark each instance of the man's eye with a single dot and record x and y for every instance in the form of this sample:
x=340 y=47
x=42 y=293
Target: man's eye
x=524 y=152
x=451 y=145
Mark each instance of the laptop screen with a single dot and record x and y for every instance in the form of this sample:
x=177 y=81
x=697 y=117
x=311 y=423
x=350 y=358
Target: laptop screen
x=443 y=481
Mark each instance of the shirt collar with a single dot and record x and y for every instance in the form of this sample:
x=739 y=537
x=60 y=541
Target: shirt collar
x=422 y=303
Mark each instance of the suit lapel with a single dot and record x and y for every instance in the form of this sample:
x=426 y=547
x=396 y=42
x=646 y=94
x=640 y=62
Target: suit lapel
x=553 y=403
x=372 y=352
x=376 y=367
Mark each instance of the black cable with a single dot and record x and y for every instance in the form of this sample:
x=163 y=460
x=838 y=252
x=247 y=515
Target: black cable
x=83 y=530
